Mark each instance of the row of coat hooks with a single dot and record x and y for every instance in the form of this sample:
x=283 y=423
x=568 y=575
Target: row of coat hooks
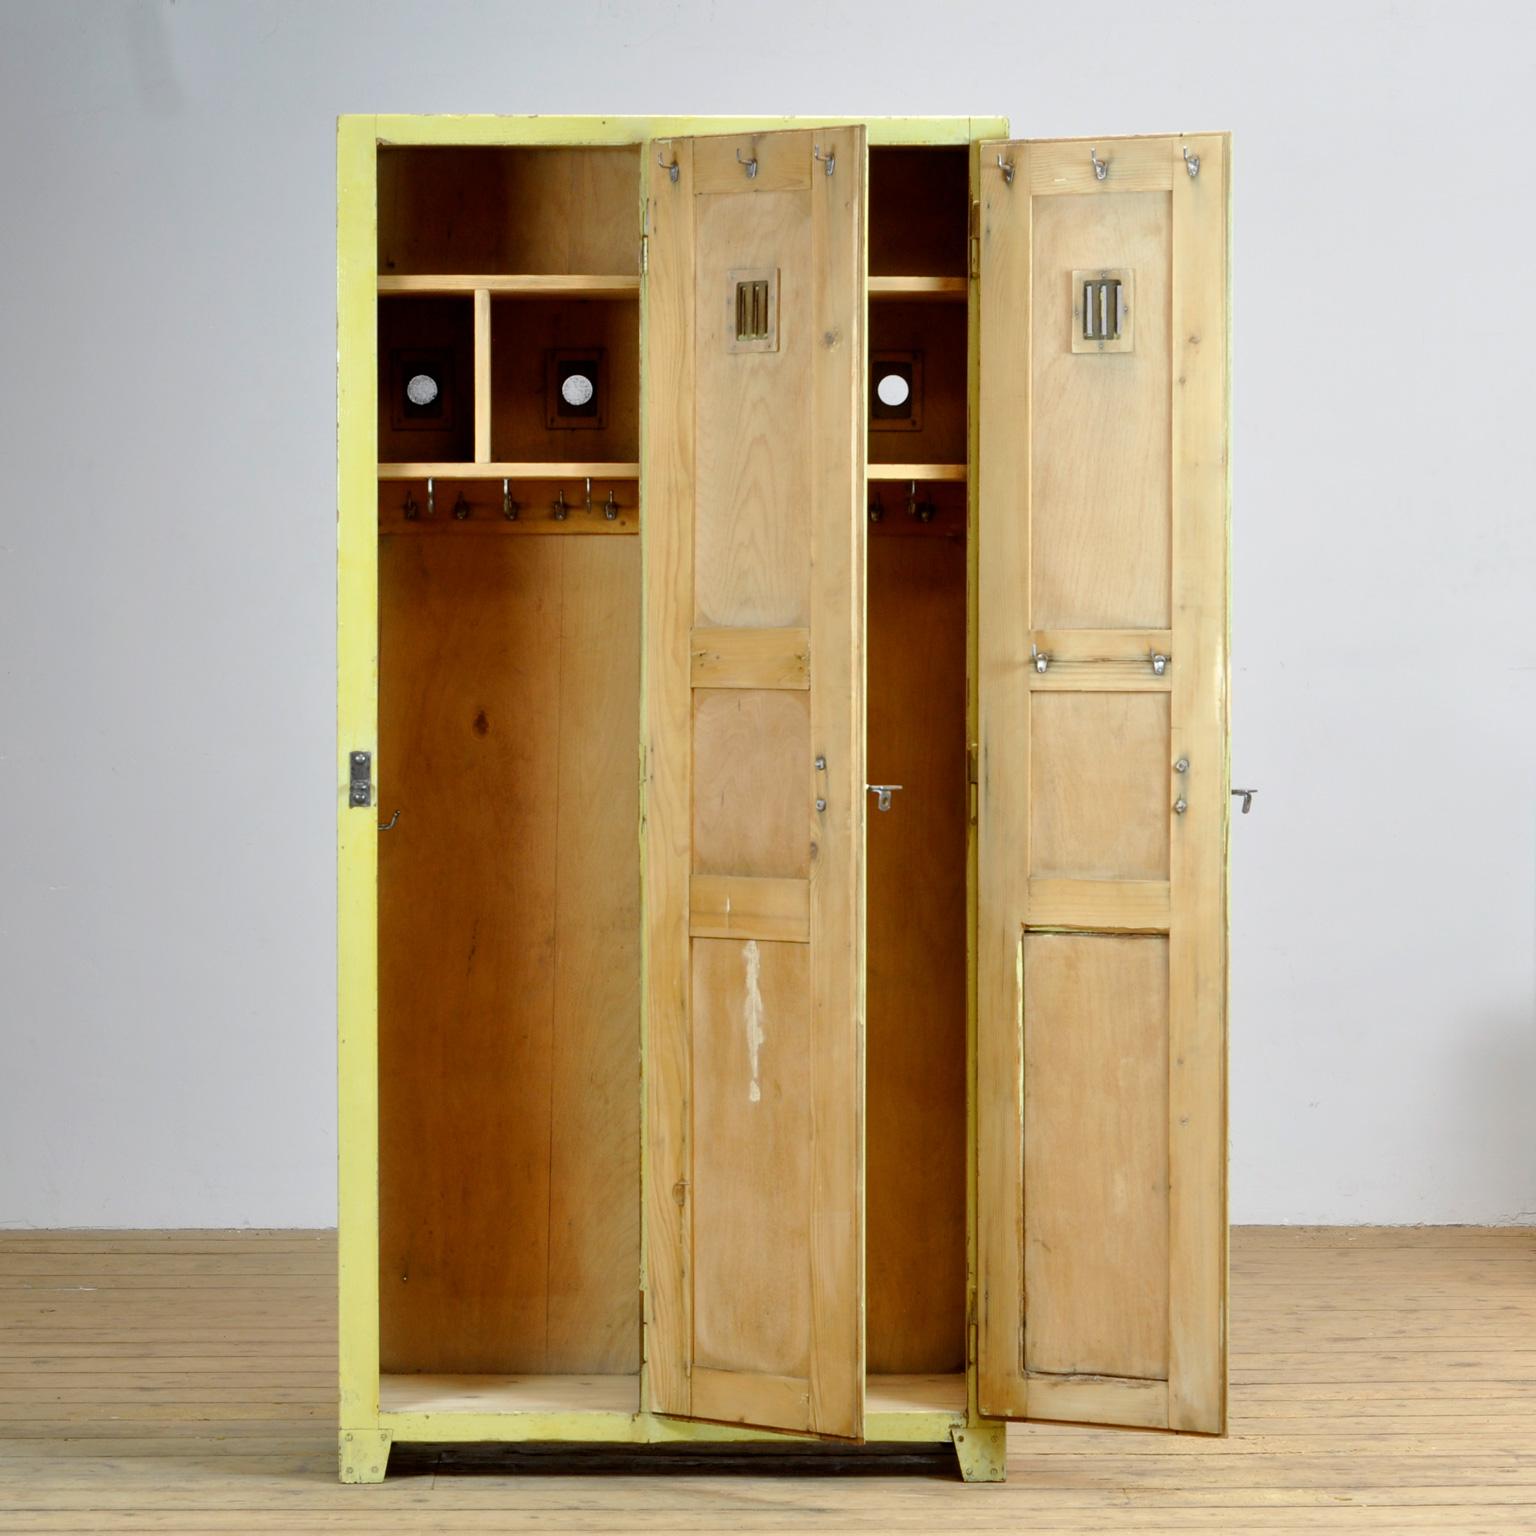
x=1101 y=167
x=511 y=510
x=749 y=165
x=919 y=509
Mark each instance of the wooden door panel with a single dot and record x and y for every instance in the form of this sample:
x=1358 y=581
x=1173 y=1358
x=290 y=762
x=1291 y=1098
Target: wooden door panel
x=1096 y=1147
x=754 y=779
x=1100 y=516
x=1103 y=809
x=1097 y=814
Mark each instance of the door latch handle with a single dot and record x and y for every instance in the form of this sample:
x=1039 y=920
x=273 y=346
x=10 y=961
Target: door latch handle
x=1247 y=798
x=882 y=794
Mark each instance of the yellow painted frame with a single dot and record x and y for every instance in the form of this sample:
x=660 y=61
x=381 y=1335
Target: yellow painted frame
x=365 y=1431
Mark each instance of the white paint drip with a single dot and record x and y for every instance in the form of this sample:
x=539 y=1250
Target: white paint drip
x=752 y=1012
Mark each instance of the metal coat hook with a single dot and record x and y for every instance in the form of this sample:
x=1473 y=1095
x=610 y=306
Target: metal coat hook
x=461 y=507
x=385 y=826
x=431 y=499
x=611 y=507
x=559 y=509
x=589 y=496
x=912 y=498
x=410 y=510
x=830 y=161
x=1007 y=168
x=1191 y=163
x=751 y=164
x=508 y=506
x=673 y=170
x=1100 y=167
x=877 y=509
x=1042 y=658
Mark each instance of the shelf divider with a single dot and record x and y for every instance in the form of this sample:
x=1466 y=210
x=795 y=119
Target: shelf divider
x=532 y=285
x=922 y=288
x=951 y=472
x=522 y=469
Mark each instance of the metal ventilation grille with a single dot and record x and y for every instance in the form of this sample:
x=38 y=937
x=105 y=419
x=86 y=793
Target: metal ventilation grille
x=752 y=314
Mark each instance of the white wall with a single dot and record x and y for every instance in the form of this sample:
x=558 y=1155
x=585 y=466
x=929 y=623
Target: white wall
x=166 y=544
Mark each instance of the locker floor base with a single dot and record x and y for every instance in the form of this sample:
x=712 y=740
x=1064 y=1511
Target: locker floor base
x=521 y=1411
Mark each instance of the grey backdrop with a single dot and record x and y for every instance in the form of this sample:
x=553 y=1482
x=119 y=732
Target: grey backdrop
x=166 y=544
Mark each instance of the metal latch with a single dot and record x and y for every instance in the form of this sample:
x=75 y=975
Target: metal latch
x=360 y=788
x=882 y=794
x=1247 y=798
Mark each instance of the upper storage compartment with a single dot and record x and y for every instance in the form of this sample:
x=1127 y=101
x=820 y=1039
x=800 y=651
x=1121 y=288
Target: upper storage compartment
x=570 y=209
x=919 y=211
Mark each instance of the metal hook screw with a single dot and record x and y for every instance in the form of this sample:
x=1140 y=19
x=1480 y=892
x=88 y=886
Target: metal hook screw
x=1100 y=167
x=751 y=164
x=877 y=509
x=559 y=508
x=1247 y=798
x=589 y=496
x=611 y=507
x=385 y=826
x=1191 y=163
x=1042 y=658
x=508 y=506
x=461 y=507
x=431 y=499
x=1159 y=663
x=1007 y=168
x=830 y=161
x=410 y=510
x=673 y=170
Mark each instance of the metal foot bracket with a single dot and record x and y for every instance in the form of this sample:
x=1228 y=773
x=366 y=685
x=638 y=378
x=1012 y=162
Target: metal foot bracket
x=982 y=1451
x=363 y=1455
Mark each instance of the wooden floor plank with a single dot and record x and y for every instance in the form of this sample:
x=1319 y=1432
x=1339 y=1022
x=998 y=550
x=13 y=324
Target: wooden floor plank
x=1384 y=1380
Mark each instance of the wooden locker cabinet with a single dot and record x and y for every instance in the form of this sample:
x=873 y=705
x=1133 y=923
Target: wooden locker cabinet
x=783 y=787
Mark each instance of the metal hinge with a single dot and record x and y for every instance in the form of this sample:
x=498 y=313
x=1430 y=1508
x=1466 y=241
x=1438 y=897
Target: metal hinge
x=975 y=238
x=645 y=254
x=360 y=783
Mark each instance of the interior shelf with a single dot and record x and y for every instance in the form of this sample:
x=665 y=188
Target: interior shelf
x=431 y=1393
x=942 y=288
x=523 y=469
x=411 y=1393
x=916 y=472
x=534 y=285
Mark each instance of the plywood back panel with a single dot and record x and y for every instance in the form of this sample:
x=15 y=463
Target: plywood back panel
x=915 y=1088
x=754 y=537
x=508 y=955
x=1102 y=838
x=937 y=331
x=523 y=332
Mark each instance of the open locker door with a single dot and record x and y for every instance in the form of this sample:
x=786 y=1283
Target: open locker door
x=754 y=529
x=1103 y=799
